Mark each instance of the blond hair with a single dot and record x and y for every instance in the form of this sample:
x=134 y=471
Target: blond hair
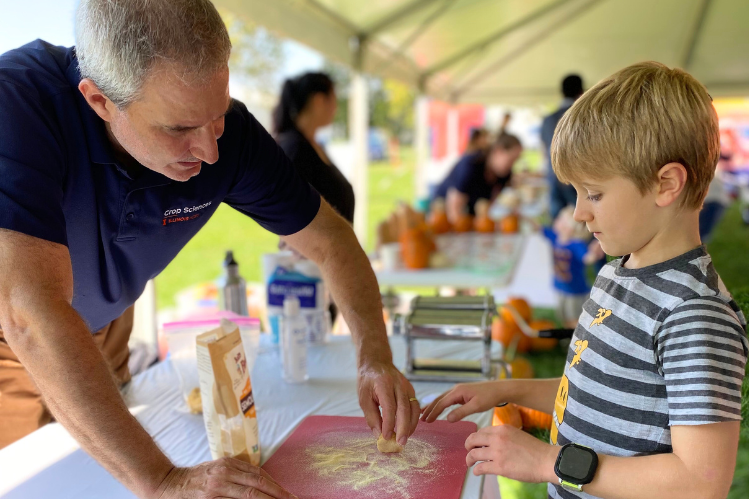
x=636 y=121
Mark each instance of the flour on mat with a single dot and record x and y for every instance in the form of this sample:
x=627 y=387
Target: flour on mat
x=354 y=463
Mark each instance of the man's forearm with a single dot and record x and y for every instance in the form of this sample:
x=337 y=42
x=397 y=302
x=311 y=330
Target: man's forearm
x=353 y=284
x=55 y=346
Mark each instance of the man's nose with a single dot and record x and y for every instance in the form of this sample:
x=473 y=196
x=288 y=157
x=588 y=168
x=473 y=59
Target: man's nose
x=205 y=146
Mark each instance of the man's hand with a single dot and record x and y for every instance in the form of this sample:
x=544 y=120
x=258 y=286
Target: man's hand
x=380 y=384
x=330 y=242
x=226 y=478
x=510 y=452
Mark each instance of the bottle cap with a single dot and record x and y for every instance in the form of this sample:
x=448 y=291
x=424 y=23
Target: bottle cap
x=229 y=259
x=291 y=305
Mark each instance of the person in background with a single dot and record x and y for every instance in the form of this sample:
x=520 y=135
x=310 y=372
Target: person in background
x=308 y=103
x=717 y=197
x=561 y=195
x=480 y=175
x=478 y=141
x=573 y=251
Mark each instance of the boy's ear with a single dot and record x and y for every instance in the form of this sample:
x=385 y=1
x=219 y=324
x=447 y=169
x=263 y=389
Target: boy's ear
x=672 y=178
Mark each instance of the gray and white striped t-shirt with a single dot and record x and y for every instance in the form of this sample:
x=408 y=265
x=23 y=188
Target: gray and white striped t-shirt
x=657 y=346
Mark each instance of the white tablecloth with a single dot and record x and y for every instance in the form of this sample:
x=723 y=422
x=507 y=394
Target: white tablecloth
x=49 y=464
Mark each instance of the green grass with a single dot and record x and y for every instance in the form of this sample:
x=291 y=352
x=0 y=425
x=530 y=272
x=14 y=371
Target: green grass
x=201 y=259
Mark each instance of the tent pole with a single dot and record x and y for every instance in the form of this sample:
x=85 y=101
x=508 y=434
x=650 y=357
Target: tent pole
x=460 y=90
x=422 y=144
x=358 y=131
x=694 y=34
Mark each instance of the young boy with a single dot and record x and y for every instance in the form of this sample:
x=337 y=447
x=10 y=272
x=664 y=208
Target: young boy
x=650 y=402
x=572 y=254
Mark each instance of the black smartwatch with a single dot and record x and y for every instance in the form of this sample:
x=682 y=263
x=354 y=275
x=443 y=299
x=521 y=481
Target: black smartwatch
x=576 y=465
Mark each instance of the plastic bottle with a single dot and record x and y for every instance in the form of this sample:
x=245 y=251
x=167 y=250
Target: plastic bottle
x=293 y=342
x=234 y=288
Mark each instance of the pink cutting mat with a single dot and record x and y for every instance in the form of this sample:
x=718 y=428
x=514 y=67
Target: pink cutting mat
x=330 y=457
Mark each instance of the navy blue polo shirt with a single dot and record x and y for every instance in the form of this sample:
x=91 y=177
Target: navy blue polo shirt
x=59 y=181
x=468 y=177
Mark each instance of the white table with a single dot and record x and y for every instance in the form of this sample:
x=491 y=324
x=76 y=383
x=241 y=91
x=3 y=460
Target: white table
x=500 y=254
x=49 y=464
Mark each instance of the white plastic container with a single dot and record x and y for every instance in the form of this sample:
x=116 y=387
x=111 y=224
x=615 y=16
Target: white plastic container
x=293 y=342
x=180 y=337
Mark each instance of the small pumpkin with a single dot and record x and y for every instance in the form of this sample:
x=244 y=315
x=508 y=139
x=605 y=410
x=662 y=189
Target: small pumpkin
x=483 y=223
x=415 y=249
x=504 y=331
x=522 y=307
x=521 y=368
x=507 y=414
x=542 y=344
x=533 y=419
x=510 y=224
x=464 y=223
x=438 y=222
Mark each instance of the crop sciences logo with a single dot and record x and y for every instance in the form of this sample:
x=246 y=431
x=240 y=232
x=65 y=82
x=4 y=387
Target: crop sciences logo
x=185 y=214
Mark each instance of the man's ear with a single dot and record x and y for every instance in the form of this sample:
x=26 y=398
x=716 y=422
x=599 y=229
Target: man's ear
x=99 y=102
x=672 y=178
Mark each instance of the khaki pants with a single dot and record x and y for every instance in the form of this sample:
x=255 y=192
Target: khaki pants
x=22 y=409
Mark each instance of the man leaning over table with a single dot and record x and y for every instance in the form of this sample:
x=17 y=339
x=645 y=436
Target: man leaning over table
x=102 y=182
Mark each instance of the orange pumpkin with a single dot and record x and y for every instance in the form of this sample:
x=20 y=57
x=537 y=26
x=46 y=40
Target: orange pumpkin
x=504 y=331
x=464 y=223
x=484 y=225
x=510 y=224
x=521 y=368
x=438 y=221
x=542 y=344
x=522 y=307
x=482 y=222
x=415 y=249
x=507 y=414
x=533 y=419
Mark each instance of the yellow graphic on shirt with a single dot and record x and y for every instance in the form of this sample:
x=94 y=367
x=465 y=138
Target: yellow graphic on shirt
x=560 y=405
x=602 y=315
x=580 y=347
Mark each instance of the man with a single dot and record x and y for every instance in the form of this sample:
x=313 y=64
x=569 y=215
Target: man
x=102 y=182
x=561 y=195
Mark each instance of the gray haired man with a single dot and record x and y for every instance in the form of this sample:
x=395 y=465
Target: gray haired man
x=101 y=146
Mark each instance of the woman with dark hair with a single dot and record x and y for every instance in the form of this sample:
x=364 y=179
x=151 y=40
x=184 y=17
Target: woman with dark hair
x=481 y=175
x=307 y=104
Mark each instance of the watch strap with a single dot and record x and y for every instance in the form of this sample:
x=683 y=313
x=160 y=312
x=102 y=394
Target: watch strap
x=572 y=487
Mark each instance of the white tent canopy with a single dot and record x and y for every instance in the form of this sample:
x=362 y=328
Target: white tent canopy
x=515 y=51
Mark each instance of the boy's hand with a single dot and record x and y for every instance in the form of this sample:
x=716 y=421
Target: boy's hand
x=510 y=452
x=474 y=397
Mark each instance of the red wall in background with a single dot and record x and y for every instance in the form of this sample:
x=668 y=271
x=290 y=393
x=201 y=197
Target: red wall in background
x=469 y=116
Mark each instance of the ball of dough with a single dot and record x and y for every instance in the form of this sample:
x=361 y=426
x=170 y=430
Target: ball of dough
x=388 y=446
x=195 y=401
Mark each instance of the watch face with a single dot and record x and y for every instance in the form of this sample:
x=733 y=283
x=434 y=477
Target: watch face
x=576 y=462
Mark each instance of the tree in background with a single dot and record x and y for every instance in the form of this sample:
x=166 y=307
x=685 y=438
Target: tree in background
x=257 y=55
x=391 y=103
